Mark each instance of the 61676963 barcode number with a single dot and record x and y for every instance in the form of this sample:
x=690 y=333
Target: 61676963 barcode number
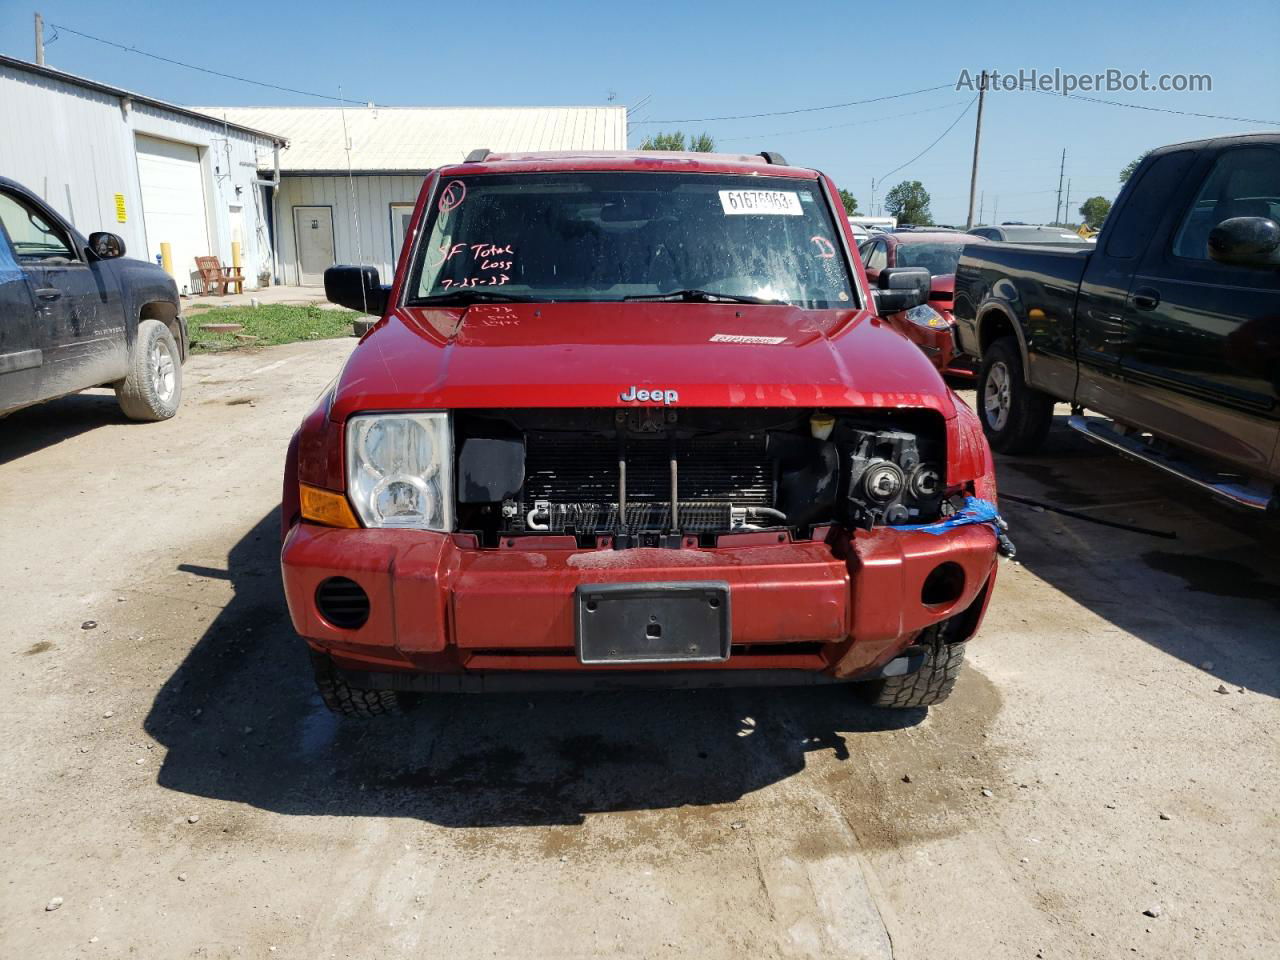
x=773 y=202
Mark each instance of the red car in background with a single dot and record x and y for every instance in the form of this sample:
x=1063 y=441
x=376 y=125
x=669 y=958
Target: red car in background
x=929 y=326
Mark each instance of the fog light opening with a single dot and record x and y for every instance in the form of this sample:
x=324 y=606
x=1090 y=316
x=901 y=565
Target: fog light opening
x=342 y=602
x=943 y=586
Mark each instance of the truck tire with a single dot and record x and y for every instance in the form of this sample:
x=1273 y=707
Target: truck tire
x=1015 y=417
x=153 y=389
x=348 y=701
x=929 y=685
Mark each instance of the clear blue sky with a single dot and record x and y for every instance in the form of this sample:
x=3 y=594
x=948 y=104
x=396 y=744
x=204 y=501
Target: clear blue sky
x=705 y=59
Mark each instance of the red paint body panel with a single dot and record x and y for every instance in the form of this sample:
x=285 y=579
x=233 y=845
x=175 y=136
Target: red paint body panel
x=520 y=598
x=431 y=594
x=846 y=603
x=585 y=354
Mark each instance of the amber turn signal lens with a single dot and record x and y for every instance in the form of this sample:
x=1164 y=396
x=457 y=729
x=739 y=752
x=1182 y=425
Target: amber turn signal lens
x=325 y=506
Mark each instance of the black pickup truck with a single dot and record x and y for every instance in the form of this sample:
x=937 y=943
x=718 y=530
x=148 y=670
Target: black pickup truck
x=75 y=313
x=1168 y=330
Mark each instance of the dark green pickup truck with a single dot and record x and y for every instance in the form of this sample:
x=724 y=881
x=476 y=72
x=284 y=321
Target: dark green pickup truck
x=1168 y=330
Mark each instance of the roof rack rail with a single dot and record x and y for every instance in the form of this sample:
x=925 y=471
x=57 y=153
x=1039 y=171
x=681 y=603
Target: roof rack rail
x=477 y=156
x=776 y=159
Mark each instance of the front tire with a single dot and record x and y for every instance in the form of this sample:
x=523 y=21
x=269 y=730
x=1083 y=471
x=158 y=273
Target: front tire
x=929 y=685
x=1015 y=417
x=348 y=701
x=153 y=389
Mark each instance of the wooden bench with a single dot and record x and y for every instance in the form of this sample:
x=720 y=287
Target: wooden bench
x=217 y=279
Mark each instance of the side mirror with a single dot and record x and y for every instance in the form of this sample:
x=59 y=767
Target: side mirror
x=106 y=246
x=356 y=288
x=901 y=288
x=1246 y=242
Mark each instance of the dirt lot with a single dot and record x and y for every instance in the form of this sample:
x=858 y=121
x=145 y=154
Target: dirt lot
x=170 y=775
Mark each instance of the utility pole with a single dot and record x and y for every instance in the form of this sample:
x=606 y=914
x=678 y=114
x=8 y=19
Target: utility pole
x=982 y=208
x=1061 y=170
x=995 y=210
x=1066 y=207
x=977 y=141
x=39 y=40
x=872 y=211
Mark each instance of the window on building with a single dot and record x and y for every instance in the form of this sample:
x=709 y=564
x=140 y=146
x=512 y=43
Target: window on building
x=401 y=214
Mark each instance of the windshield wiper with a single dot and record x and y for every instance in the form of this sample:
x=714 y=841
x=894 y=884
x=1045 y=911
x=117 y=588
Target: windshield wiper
x=704 y=296
x=471 y=295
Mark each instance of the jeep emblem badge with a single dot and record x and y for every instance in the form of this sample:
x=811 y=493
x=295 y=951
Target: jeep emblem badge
x=633 y=395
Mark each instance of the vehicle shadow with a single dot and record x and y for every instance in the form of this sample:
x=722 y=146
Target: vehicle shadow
x=240 y=721
x=1210 y=597
x=46 y=424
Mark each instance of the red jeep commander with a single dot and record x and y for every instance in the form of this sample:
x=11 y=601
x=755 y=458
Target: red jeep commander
x=634 y=418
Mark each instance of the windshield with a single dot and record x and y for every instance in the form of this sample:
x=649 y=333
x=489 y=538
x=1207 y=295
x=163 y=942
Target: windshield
x=614 y=236
x=939 y=258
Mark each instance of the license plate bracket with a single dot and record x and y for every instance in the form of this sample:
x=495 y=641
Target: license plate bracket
x=640 y=623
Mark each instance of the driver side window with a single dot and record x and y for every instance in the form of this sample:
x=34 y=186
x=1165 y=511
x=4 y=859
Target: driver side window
x=1244 y=182
x=35 y=239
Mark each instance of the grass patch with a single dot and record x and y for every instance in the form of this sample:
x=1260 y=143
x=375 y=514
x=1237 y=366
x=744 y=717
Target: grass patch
x=269 y=325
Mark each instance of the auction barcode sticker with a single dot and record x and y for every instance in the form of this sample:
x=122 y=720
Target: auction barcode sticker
x=782 y=203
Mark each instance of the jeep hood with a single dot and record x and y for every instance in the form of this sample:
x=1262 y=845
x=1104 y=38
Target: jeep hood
x=588 y=354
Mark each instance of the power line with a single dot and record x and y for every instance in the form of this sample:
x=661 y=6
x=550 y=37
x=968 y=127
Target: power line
x=192 y=66
x=950 y=127
x=1140 y=106
x=783 y=113
x=639 y=105
x=837 y=126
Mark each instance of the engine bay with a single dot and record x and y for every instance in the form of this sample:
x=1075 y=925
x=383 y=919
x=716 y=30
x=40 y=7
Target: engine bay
x=650 y=476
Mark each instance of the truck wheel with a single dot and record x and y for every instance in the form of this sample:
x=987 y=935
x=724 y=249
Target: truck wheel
x=931 y=684
x=348 y=701
x=1015 y=417
x=153 y=388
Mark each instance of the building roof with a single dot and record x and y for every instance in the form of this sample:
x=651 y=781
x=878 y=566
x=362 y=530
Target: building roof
x=417 y=139
x=87 y=84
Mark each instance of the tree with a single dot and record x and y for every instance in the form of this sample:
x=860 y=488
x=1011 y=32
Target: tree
x=850 y=203
x=702 y=143
x=1094 y=210
x=909 y=202
x=1131 y=166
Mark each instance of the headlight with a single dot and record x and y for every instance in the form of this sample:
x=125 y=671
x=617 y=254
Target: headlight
x=925 y=482
x=883 y=481
x=399 y=471
x=925 y=316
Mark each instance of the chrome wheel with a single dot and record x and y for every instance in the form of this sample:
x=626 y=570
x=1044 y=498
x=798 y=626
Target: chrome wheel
x=164 y=376
x=997 y=396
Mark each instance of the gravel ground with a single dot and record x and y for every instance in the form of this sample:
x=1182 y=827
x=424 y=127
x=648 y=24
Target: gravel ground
x=173 y=788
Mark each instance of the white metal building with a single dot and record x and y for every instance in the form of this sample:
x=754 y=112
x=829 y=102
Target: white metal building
x=150 y=171
x=340 y=205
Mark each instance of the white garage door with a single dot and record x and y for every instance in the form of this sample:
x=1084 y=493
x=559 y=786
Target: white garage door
x=173 y=206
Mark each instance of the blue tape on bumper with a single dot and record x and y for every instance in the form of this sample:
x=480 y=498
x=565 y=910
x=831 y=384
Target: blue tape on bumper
x=973 y=511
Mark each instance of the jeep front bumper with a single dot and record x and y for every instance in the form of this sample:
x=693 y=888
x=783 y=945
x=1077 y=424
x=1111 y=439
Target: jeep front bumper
x=840 y=609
